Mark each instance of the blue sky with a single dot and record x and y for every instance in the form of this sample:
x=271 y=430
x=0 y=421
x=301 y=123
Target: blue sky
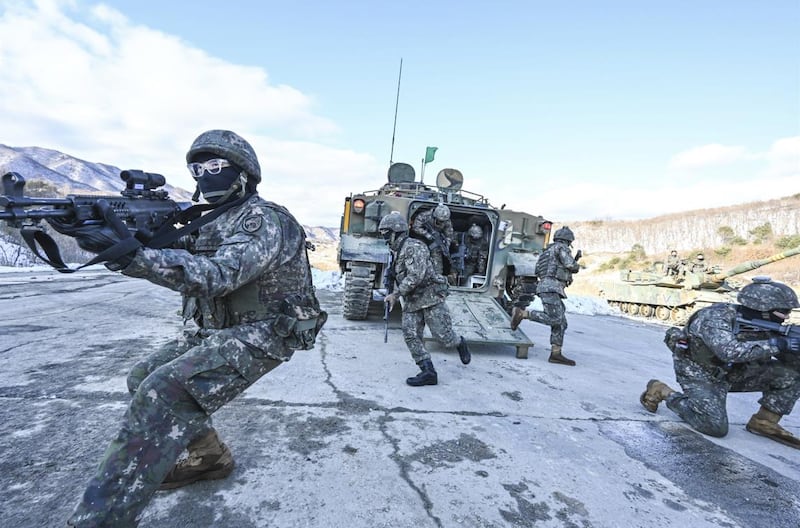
x=576 y=110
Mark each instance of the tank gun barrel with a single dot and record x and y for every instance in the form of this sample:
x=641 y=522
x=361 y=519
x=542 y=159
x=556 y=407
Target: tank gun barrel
x=753 y=264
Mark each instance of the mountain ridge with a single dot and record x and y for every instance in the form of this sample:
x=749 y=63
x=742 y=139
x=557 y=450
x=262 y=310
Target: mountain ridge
x=686 y=231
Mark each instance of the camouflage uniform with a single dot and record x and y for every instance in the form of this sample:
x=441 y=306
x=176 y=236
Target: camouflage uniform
x=424 y=227
x=423 y=292
x=673 y=265
x=246 y=283
x=718 y=361
x=554 y=269
x=476 y=256
x=699 y=264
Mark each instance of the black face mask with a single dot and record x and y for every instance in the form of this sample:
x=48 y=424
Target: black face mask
x=214 y=186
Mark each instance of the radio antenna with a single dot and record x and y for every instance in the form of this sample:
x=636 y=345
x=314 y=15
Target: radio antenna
x=396 y=105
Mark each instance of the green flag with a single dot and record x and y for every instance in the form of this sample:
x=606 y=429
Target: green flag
x=430 y=152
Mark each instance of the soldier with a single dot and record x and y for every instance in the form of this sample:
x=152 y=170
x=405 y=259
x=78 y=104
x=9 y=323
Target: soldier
x=422 y=293
x=477 y=251
x=699 y=264
x=434 y=227
x=554 y=269
x=246 y=282
x=715 y=354
x=673 y=266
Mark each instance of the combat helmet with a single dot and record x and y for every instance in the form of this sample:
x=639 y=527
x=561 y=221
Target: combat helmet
x=441 y=213
x=565 y=234
x=230 y=146
x=393 y=227
x=475 y=231
x=765 y=295
x=394 y=222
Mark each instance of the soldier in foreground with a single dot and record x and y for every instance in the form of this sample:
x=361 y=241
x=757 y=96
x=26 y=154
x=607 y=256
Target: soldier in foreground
x=434 y=227
x=721 y=350
x=422 y=293
x=554 y=269
x=246 y=283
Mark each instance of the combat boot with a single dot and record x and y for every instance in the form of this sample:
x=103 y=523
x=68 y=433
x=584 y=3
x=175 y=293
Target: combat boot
x=557 y=357
x=427 y=376
x=765 y=423
x=657 y=391
x=517 y=315
x=463 y=352
x=209 y=459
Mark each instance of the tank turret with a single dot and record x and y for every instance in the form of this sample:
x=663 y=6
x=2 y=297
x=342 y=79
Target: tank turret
x=673 y=297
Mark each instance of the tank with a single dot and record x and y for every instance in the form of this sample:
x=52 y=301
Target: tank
x=482 y=302
x=673 y=298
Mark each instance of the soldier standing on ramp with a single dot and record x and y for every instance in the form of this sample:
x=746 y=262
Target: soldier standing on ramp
x=422 y=292
x=554 y=269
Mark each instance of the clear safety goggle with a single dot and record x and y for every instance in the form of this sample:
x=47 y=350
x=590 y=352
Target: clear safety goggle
x=212 y=166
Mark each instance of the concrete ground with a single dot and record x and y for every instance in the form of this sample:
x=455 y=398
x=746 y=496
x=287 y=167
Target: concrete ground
x=335 y=438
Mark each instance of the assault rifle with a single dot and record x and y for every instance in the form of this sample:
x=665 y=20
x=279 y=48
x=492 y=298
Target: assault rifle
x=142 y=207
x=458 y=258
x=388 y=283
x=790 y=332
x=443 y=245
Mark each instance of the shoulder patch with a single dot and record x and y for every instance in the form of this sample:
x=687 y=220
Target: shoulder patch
x=252 y=223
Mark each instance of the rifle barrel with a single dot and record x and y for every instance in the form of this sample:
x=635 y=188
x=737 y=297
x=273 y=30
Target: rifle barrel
x=13 y=213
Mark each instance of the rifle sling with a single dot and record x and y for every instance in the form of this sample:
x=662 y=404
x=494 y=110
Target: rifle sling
x=35 y=237
x=168 y=234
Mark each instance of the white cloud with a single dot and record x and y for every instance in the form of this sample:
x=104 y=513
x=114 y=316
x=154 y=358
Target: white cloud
x=784 y=159
x=90 y=83
x=709 y=155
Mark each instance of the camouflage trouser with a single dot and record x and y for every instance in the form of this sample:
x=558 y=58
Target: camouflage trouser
x=438 y=319
x=175 y=391
x=554 y=316
x=702 y=403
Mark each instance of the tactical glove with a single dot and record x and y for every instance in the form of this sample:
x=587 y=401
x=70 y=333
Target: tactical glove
x=94 y=238
x=786 y=344
x=578 y=255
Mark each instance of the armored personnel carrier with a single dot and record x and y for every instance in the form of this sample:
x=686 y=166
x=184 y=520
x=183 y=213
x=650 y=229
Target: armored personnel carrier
x=675 y=297
x=479 y=303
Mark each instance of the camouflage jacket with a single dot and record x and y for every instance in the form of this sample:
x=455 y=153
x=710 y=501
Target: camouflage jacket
x=477 y=253
x=247 y=266
x=424 y=228
x=554 y=268
x=713 y=340
x=417 y=283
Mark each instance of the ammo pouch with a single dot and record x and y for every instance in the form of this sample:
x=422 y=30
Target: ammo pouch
x=677 y=340
x=299 y=321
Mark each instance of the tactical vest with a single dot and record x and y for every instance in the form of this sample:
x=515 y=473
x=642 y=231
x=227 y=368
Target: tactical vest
x=283 y=293
x=548 y=266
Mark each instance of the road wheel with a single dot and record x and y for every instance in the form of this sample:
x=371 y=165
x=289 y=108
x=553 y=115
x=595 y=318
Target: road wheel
x=357 y=295
x=646 y=310
x=634 y=309
x=662 y=313
x=623 y=307
x=678 y=315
